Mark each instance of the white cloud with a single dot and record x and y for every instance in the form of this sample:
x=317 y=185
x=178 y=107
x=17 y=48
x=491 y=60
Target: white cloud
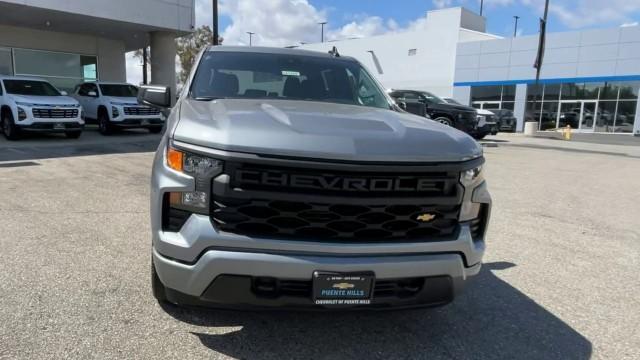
x=442 y=3
x=635 y=23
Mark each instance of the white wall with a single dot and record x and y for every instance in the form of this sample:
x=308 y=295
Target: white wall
x=590 y=53
x=433 y=66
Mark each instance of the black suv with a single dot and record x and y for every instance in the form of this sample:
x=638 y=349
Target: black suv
x=506 y=120
x=421 y=102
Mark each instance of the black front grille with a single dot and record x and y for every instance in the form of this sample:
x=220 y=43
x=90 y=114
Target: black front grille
x=348 y=206
x=310 y=220
x=55 y=113
x=140 y=110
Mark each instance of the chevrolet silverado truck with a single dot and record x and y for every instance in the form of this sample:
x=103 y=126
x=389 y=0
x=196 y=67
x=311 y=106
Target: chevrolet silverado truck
x=289 y=178
x=114 y=106
x=34 y=105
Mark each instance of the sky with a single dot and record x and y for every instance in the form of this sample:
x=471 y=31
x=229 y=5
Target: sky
x=290 y=22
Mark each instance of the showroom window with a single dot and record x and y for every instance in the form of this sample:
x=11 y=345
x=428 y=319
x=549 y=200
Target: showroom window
x=6 y=63
x=493 y=97
x=590 y=107
x=63 y=70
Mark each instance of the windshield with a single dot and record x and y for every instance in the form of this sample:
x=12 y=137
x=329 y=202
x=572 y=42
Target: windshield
x=432 y=99
x=119 y=90
x=452 y=101
x=30 y=87
x=285 y=77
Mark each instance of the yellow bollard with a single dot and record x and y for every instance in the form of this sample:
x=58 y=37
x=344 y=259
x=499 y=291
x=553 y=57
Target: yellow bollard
x=566 y=133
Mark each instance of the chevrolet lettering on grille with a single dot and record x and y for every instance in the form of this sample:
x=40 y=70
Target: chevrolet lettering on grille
x=335 y=182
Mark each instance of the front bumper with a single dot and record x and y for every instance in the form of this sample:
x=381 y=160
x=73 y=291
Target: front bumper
x=237 y=262
x=141 y=122
x=51 y=127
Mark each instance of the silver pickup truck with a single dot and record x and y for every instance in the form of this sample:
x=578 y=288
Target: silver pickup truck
x=289 y=178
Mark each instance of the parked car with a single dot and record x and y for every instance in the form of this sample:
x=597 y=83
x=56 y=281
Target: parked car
x=487 y=124
x=461 y=117
x=506 y=120
x=114 y=106
x=34 y=105
x=310 y=189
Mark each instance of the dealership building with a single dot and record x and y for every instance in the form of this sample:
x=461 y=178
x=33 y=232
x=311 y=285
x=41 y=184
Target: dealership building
x=590 y=79
x=68 y=42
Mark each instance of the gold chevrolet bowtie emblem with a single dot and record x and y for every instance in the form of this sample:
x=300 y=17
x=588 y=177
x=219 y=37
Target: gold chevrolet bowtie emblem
x=425 y=217
x=343 y=286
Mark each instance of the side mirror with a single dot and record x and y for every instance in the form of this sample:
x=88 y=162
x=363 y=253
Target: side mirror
x=64 y=93
x=155 y=96
x=92 y=94
x=402 y=105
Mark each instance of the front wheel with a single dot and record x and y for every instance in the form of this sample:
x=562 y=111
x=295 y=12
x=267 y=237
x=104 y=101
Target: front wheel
x=11 y=131
x=104 y=125
x=444 y=121
x=479 y=137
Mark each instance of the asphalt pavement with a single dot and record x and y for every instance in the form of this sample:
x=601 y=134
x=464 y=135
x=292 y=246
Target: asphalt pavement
x=560 y=279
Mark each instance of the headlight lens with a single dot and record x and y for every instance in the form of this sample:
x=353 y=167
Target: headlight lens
x=472 y=176
x=203 y=169
x=114 y=112
x=22 y=114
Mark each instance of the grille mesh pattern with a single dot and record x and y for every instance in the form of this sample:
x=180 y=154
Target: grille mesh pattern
x=140 y=111
x=326 y=221
x=55 y=113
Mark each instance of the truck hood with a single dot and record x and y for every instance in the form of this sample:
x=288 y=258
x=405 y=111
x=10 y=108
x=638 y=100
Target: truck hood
x=321 y=131
x=45 y=100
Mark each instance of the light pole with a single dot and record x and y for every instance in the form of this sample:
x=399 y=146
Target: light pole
x=322 y=24
x=250 y=37
x=515 y=28
x=216 y=35
x=481 y=6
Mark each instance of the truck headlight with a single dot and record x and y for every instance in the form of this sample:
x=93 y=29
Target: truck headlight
x=22 y=114
x=472 y=176
x=114 y=112
x=203 y=169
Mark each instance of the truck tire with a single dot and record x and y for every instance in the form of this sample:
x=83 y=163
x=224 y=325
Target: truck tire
x=104 y=124
x=157 y=287
x=9 y=128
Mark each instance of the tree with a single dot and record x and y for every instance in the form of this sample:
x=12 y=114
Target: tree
x=188 y=48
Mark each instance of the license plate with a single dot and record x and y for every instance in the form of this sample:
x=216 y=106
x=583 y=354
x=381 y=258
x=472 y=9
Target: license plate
x=342 y=289
x=58 y=126
x=145 y=122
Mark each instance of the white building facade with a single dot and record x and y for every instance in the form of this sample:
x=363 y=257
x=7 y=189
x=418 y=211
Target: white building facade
x=590 y=79
x=423 y=59
x=68 y=42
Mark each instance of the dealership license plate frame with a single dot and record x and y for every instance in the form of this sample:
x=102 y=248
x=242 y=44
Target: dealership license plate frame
x=59 y=126
x=342 y=289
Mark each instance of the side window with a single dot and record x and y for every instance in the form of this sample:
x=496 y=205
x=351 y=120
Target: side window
x=92 y=87
x=411 y=97
x=83 y=90
x=1 y=88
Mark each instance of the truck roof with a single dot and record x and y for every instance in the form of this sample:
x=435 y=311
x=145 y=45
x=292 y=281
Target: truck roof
x=274 y=50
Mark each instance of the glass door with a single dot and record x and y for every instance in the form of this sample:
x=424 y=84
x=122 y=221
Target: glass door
x=588 y=115
x=569 y=114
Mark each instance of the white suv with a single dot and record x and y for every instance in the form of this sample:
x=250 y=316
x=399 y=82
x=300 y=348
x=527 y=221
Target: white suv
x=114 y=106
x=32 y=104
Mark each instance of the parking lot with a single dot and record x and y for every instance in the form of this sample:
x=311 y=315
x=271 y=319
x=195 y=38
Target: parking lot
x=560 y=279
